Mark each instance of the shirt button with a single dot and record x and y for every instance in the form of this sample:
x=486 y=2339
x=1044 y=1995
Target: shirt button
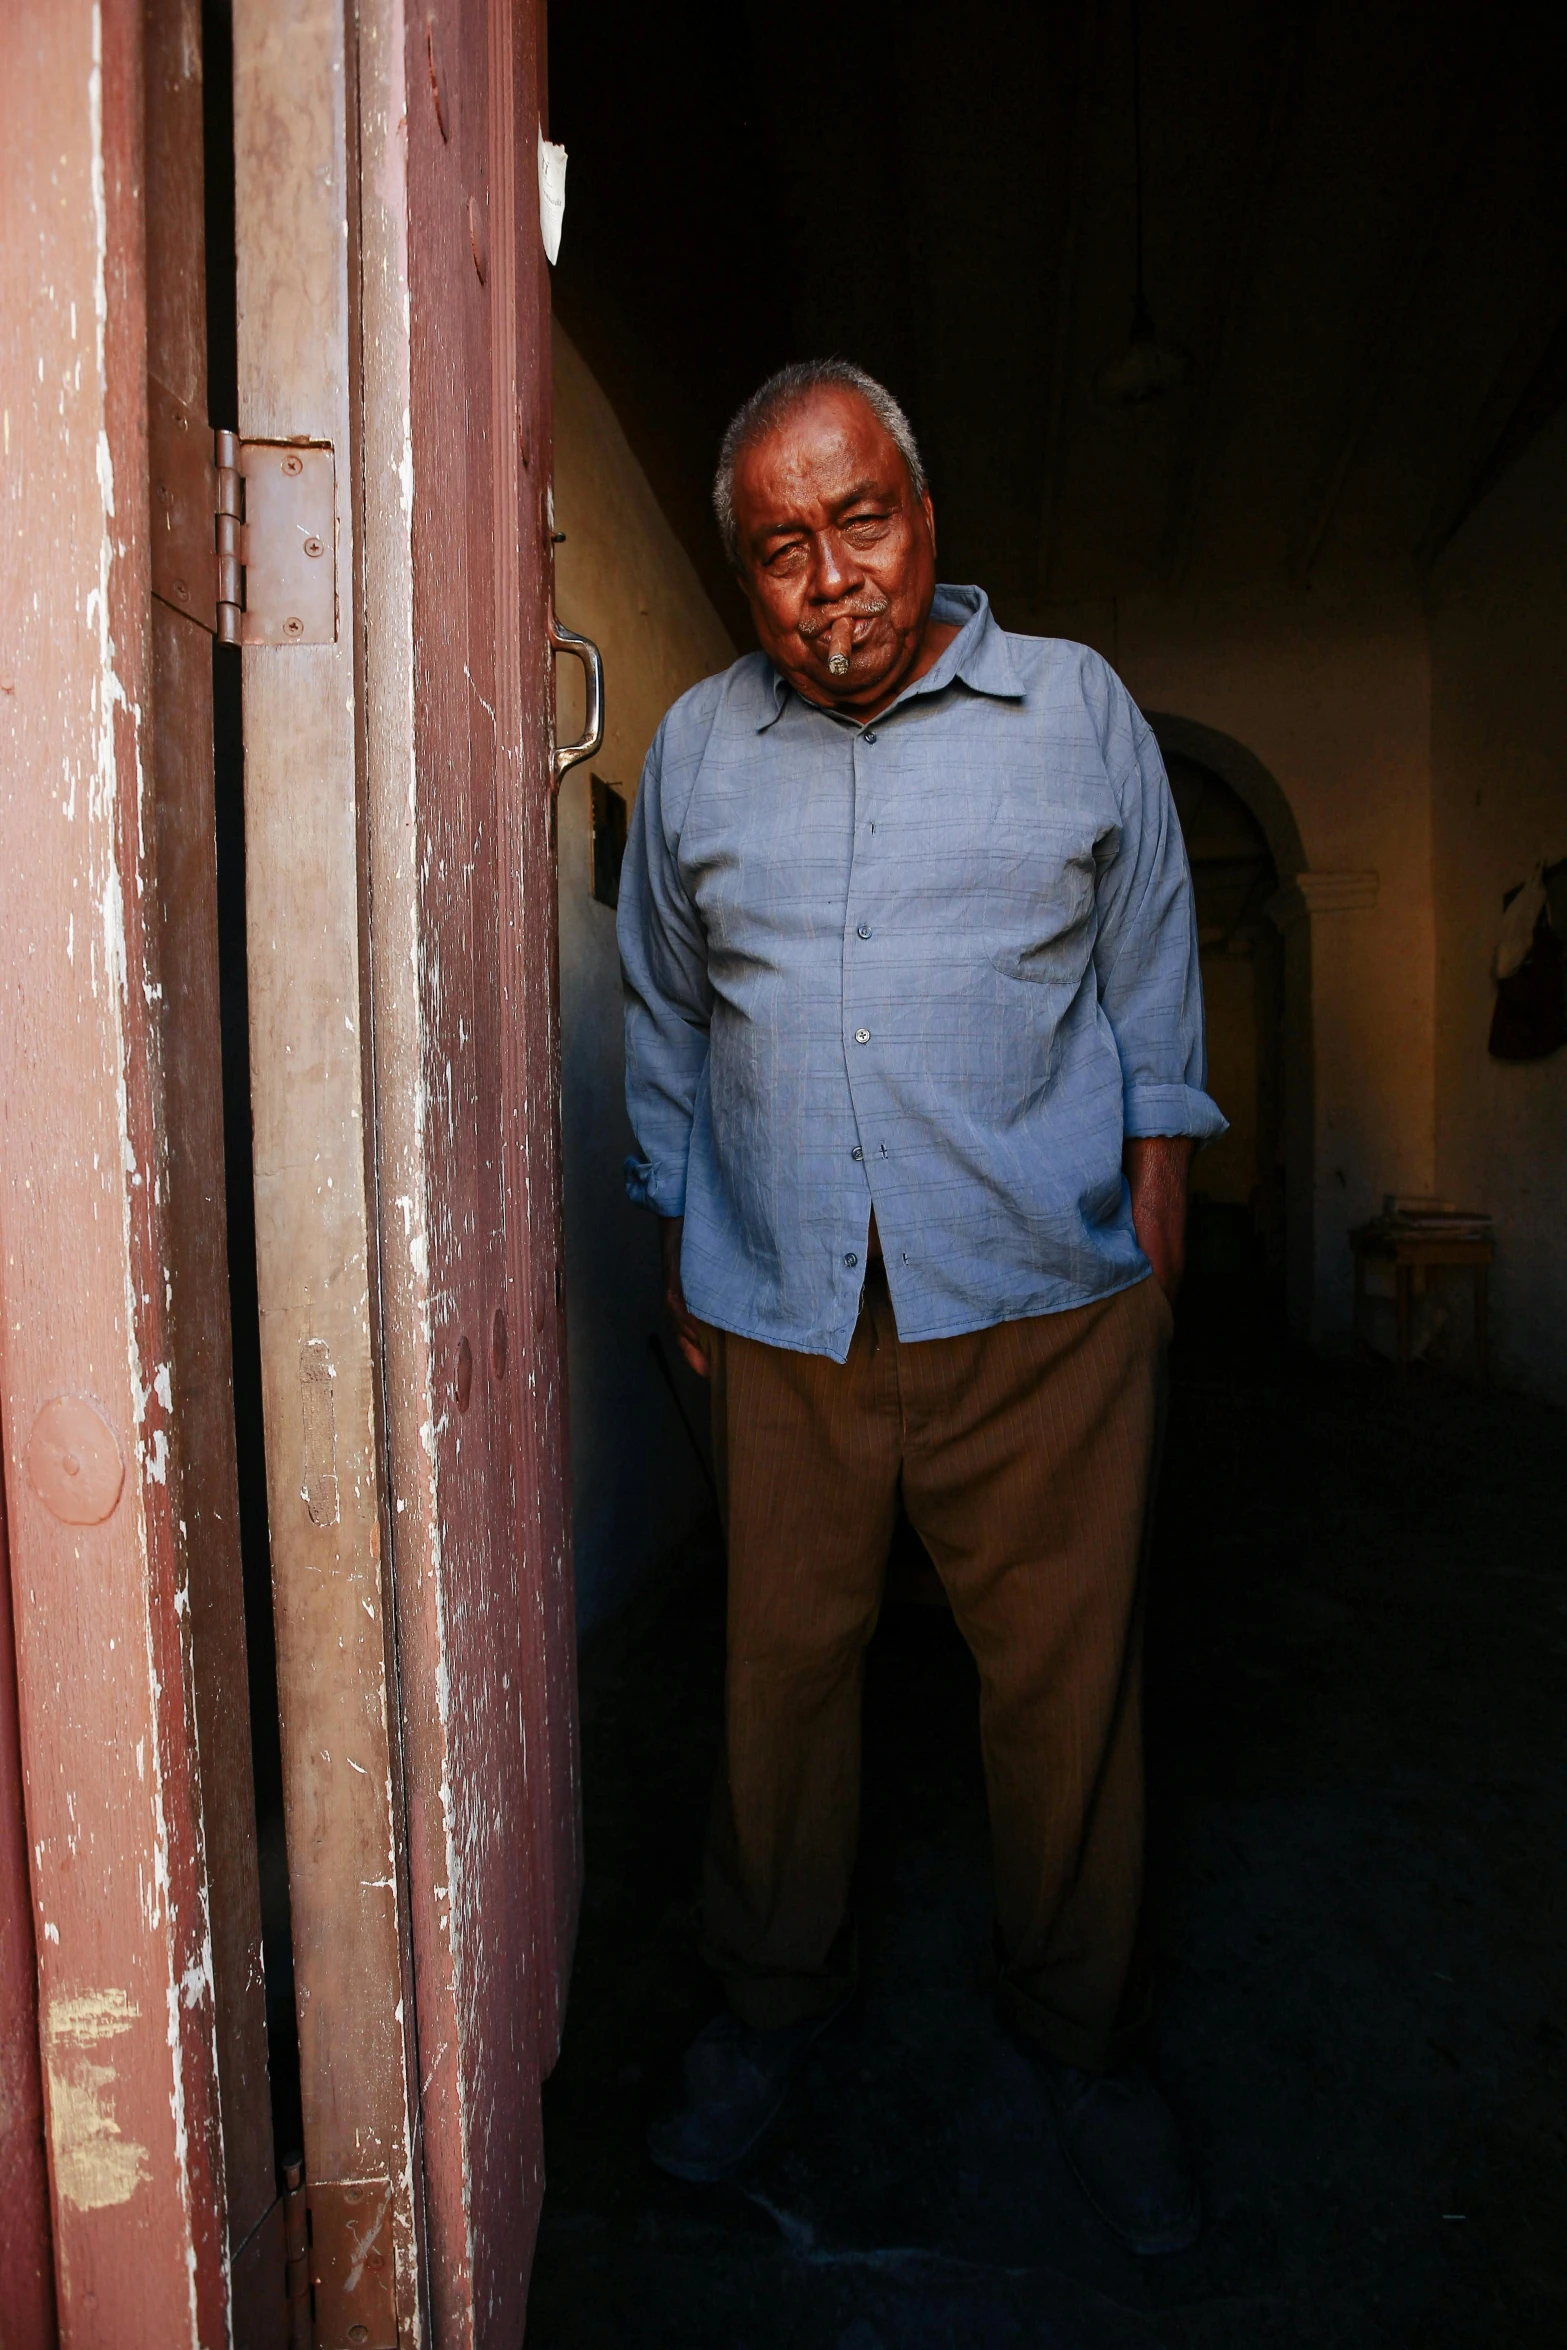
x=864 y=930
x=867 y=736
x=851 y=1260
x=862 y=1036
x=857 y=1152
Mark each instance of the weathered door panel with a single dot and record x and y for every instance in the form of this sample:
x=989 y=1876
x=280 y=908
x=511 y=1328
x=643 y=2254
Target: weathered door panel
x=462 y=960
x=296 y=206
x=98 y=1561
x=202 y=1371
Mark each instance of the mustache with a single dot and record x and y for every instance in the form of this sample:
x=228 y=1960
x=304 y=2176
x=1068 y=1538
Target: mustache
x=814 y=624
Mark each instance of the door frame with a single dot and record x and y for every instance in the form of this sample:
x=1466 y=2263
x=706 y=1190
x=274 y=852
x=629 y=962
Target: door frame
x=297 y=208
x=387 y=195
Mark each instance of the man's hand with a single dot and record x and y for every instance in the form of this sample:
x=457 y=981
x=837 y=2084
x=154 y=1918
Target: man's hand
x=1155 y=1166
x=688 y=1330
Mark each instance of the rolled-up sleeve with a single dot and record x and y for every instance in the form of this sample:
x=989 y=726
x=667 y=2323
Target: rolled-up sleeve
x=663 y=961
x=1150 y=984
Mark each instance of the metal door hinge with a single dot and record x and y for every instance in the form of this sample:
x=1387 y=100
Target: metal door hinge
x=244 y=533
x=353 y=2266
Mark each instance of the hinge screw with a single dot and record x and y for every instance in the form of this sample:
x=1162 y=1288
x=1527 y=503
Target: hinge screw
x=313 y=547
x=182 y=591
x=293 y=465
x=293 y=627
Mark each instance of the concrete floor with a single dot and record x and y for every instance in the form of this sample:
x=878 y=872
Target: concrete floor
x=1358 y=1730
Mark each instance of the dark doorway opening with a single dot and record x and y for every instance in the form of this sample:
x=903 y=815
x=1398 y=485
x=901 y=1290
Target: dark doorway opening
x=1360 y=2010
x=1236 y=1226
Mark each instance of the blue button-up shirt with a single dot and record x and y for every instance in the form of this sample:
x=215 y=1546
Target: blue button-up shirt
x=939 y=964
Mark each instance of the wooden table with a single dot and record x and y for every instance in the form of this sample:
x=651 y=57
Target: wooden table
x=1405 y=1247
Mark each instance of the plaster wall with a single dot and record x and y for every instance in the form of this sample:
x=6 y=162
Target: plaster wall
x=1499 y=764
x=623 y=579
x=1332 y=694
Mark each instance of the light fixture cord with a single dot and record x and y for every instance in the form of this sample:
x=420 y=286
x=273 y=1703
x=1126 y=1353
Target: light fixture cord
x=1137 y=148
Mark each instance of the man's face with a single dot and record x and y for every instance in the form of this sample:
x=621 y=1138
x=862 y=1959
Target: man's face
x=837 y=553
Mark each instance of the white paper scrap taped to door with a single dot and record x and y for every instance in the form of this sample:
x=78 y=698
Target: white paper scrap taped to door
x=552 y=195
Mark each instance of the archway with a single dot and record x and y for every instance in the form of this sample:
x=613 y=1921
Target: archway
x=1252 y=1192
x=1244 y=774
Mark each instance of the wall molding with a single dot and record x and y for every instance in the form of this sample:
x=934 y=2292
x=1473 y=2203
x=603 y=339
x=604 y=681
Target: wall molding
x=1311 y=893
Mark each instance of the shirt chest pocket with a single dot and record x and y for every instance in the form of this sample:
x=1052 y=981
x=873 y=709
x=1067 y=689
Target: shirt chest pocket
x=1034 y=906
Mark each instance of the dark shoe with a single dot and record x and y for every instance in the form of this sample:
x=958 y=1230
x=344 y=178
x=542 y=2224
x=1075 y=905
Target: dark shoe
x=735 y=2084
x=1125 y=2152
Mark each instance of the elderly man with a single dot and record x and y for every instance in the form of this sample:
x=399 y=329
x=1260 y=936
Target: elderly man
x=914 y=1058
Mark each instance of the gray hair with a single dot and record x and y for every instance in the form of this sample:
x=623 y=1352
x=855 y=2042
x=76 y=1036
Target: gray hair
x=773 y=399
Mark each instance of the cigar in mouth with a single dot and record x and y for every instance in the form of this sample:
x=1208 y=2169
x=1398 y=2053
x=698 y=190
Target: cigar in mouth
x=839 y=639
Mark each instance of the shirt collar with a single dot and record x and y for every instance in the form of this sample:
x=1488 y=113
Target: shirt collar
x=977 y=655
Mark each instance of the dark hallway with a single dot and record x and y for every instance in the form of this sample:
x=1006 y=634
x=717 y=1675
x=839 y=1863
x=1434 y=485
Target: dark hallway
x=1359 y=1644
x=1323 y=550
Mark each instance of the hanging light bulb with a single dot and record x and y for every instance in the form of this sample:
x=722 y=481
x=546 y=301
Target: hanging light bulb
x=1148 y=367
x=1145 y=370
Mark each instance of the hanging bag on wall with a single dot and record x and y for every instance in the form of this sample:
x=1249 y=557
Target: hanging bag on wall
x=1530 y=1019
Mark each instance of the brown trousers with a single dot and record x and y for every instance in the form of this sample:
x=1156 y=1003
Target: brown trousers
x=1025 y=1454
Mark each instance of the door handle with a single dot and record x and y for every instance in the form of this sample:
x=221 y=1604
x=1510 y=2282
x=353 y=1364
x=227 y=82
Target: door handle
x=569 y=755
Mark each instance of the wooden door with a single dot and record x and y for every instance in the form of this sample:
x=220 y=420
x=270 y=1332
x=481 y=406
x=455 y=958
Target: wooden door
x=399 y=830
x=493 y=1765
